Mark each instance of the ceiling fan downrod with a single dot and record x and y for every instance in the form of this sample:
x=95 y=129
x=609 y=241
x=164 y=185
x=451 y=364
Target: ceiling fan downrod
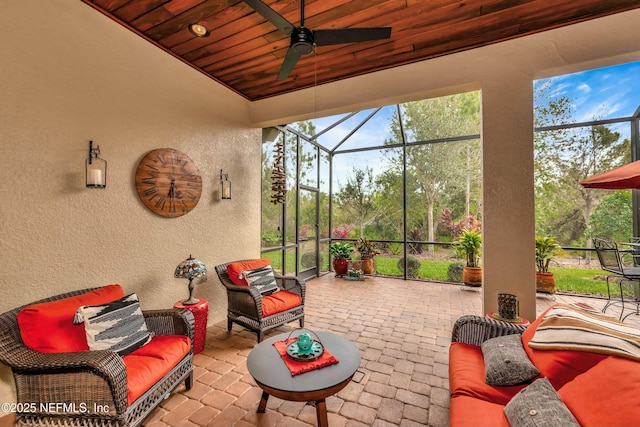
x=302 y=37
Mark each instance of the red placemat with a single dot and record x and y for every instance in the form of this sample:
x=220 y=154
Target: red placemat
x=296 y=367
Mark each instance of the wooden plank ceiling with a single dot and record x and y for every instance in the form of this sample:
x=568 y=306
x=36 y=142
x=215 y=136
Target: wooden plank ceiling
x=244 y=51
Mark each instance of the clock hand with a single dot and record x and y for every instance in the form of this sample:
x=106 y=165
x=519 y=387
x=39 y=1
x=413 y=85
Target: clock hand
x=172 y=188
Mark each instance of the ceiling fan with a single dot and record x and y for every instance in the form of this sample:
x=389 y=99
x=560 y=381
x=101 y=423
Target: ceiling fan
x=303 y=39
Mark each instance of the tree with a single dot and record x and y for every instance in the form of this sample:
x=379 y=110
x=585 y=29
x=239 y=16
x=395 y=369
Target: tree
x=438 y=168
x=612 y=218
x=563 y=158
x=389 y=220
x=356 y=197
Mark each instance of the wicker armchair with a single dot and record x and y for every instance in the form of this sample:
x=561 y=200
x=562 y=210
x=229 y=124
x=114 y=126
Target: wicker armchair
x=245 y=304
x=476 y=330
x=79 y=382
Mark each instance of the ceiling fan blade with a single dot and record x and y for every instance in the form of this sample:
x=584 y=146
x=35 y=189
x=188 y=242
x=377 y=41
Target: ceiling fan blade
x=350 y=35
x=289 y=63
x=271 y=15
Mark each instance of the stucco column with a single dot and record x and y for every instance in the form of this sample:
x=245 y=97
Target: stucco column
x=508 y=220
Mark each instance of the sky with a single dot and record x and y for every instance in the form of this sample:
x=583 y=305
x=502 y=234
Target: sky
x=603 y=93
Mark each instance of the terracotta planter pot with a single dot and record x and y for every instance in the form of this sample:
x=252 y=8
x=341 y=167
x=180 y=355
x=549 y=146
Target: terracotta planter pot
x=472 y=276
x=546 y=283
x=367 y=265
x=341 y=266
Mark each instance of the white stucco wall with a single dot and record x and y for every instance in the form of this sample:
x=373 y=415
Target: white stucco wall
x=69 y=75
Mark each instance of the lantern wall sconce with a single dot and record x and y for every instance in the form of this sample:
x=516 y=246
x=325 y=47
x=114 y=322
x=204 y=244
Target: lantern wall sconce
x=95 y=168
x=225 y=186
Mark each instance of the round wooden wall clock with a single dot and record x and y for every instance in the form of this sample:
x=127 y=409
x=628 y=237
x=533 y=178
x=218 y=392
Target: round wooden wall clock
x=168 y=182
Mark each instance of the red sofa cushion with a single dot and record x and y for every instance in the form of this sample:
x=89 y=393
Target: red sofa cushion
x=235 y=268
x=48 y=327
x=468 y=411
x=280 y=301
x=466 y=376
x=148 y=364
x=559 y=366
x=606 y=395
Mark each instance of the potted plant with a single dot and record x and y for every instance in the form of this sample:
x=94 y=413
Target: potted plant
x=341 y=253
x=355 y=274
x=546 y=249
x=468 y=247
x=367 y=250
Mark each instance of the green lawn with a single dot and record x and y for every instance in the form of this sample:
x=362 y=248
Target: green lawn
x=579 y=280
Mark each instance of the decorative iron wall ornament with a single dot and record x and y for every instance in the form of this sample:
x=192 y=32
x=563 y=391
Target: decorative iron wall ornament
x=278 y=178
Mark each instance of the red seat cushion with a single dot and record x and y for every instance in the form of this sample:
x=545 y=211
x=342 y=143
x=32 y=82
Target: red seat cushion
x=148 y=364
x=606 y=395
x=466 y=376
x=48 y=327
x=280 y=301
x=467 y=411
x=559 y=366
x=235 y=268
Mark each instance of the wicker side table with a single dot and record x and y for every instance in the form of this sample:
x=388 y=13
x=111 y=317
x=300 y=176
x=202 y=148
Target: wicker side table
x=200 y=312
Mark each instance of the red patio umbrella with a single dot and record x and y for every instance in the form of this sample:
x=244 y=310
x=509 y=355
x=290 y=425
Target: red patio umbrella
x=622 y=178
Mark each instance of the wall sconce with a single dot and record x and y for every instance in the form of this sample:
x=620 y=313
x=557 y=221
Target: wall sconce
x=225 y=185
x=96 y=168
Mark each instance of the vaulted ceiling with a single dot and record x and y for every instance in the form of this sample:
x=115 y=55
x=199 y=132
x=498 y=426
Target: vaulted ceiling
x=244 y=51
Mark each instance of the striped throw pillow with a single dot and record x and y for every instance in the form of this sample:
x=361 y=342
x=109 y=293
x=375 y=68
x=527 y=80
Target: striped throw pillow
x=117 y=326
x=262 y=278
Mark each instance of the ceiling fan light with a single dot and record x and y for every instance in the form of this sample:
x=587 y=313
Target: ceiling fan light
x=302 y=48
x=302 y=41
x=199 y=30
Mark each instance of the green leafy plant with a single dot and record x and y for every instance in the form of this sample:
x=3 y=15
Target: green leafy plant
x=271 y=238
x=468 y=246
x=546 y=249
x=308 y=259
x=395 y=248
x=366 y=248
x=413 y=266
x=340 y=250
x=454 y=272
x=354 y=273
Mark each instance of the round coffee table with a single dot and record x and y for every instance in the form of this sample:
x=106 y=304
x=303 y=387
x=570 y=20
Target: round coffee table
x=272 y=375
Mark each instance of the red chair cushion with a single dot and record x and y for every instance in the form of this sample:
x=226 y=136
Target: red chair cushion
x=235 y=268
x=148 y=364
x=48 y=327
x=467 y=411
x=559 y=366
x=466 y=376
x=280 y=301
x=606 y=395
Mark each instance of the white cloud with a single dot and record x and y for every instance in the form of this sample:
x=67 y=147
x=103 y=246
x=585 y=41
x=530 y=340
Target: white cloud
x=584 y=88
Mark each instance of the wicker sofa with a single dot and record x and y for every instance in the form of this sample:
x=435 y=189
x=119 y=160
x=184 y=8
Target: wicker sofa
x=248 y=308
x=598 y=389
x=95 y=388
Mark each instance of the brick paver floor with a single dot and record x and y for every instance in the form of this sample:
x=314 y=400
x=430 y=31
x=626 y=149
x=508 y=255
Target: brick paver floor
x=402 y=329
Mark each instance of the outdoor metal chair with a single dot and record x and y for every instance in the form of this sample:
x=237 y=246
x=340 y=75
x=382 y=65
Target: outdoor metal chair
x=634 y=250
x=611 y=260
